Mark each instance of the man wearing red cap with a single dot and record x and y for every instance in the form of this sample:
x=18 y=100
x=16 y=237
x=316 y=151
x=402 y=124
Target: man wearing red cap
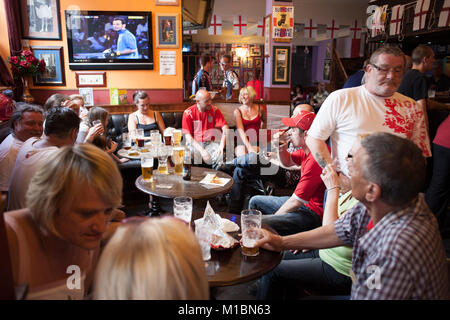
x=304 y=209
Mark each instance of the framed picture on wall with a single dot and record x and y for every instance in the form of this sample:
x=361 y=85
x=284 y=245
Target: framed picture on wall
x=90 y=79
x=257 y=62
x=255 y=51
x=167 y=30
x=267 y=34
x=54 y=66
x=281 y=65
x=40 y=19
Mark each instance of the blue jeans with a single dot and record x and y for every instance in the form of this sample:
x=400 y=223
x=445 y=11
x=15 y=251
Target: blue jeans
x=303 y=219
x=303 y=271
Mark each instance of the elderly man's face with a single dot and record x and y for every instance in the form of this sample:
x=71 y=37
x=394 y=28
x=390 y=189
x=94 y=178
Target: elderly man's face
x=385 y=75
x=31 y=125
x=83 y=223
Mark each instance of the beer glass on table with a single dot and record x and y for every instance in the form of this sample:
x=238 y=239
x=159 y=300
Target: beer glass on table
x=250 y=223
x=155 y=137
x=126 y=141
x=163 y=154
x=178 y=155
x=176 y=137
x=140 y=138
x=147 y=167
x=182 y=209
x=167 y=138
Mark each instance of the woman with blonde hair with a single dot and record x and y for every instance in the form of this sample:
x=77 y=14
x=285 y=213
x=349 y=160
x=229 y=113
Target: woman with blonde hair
x=151 y=259
x=144 y=118
x=249 y=119
x=55 y=241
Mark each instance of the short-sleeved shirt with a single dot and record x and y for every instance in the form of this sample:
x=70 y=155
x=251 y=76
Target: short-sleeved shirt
x=349 y=112
x=201 y=79
x=8 y=154
x=127 y=41
x=203 y=126
x=310 y=187
x=414 y=85
x=401 y=257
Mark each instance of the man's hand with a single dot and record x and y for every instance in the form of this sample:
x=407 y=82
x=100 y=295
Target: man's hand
x=94 y=132
x=269 y=241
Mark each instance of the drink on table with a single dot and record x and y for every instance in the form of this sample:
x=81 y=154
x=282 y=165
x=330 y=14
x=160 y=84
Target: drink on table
x=178 y=154
x=163 y=154
x=147 y=167
x=182 y=209
x=167 y=139
x=187 y=164
x=126 y=141
x=140 y=138
x=176 y=137
x=250 y=222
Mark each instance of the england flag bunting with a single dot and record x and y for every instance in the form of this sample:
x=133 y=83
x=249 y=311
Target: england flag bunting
x=310 y=29
x=396 y=20
x=420 y=14
x=355 y=30
x=215 y=28
x=332 y=29
x=240 y=25
x=261 y=27
x=444 y=16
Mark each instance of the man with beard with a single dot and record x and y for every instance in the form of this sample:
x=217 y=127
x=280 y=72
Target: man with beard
x=372 y=107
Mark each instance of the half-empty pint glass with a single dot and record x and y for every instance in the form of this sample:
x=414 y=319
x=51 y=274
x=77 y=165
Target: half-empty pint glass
x=182 y=209
x=176 y=137
x=147 y=167
x=178 y=155
x=250 y=223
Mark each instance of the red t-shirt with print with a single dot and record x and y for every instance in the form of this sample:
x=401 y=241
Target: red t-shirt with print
x=203 y=126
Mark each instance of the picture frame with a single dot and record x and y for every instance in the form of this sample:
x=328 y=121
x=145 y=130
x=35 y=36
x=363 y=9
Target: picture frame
x=166 y=2
x=167 y=30
x=250 y=62
x=267 y=34
x=283 y=23
x=54 y=69
x=88 y=96
x=40 y=19
x=87 y=79
x=281 y=64
x=255 y=51
x=257 y=62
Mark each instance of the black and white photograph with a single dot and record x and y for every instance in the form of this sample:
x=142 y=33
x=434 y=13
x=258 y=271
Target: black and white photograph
x=40 y=19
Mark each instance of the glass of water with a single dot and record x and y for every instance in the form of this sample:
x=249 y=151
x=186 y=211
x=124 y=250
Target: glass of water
x=182 y=209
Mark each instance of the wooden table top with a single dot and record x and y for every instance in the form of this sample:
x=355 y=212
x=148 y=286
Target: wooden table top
x=180 y=187
x=229 y=267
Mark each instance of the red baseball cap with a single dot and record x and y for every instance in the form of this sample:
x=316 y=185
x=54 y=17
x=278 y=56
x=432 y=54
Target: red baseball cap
x=302 y=120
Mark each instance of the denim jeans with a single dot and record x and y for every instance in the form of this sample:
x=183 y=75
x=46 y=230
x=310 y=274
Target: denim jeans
x=303 y=271
x=303 y=219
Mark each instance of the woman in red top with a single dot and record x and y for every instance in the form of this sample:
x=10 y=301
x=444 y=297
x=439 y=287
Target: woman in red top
x=249 y=119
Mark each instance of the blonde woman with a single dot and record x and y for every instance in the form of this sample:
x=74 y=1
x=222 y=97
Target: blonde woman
x=55 y=241
x=249 y=119
x=144 y=117
x=151 y=259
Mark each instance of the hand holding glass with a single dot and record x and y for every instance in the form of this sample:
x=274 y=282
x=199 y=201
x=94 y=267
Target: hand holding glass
x=250 y=223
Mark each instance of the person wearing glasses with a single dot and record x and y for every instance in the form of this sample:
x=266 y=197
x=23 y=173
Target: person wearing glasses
x=375 y=106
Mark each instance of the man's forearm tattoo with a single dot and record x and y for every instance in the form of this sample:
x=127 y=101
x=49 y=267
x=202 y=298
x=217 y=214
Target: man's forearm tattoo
x=320 y=160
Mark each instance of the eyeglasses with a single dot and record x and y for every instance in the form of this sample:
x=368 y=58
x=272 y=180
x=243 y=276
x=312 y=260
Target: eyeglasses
x=396 y=71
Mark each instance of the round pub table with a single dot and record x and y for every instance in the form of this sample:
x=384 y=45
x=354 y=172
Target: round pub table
x=172 y=186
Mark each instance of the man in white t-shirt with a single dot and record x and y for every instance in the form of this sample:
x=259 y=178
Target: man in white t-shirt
x=26 y=122
x=372 y=107
x=61 y=128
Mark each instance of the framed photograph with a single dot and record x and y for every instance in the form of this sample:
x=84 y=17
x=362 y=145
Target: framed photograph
x=88 y=96
x=283 y=23
x=250 y=62
x=167 y=30
x=236 y=61
x=326 y=69
x=281 y=65
x=40 y=19
x=257 y=62
x=54 y=66
x=90 y=79
x=267 y=34
x=166 y=2
x=255 y=51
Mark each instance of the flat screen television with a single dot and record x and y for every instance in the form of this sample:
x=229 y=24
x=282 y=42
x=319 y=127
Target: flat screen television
x=109 y=40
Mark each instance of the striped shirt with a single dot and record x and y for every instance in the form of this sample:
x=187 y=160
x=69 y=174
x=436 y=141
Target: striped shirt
x=401 y=257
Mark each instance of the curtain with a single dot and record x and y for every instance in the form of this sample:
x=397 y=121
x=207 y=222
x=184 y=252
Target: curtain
x=5 y=76
x=15 y=37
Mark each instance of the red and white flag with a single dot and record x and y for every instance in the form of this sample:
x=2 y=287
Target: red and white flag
x=240 y=25
x=396 y=19
x=444 y=16
x=332 y=29
x=355 y=30
x=261 y=27
x=190 y=31
x=310 y=29
x=420 y=14
x=215 y=27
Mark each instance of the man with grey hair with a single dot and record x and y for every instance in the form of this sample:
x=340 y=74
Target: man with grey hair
x=397 y=248
x=372 y=107
x=26 y=122
x=61 y=129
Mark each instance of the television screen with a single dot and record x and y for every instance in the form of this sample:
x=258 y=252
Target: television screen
x=106 y=40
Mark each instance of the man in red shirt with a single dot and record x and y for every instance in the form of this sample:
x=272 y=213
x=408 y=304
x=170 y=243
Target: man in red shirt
x=203 y=125
x=304 y=209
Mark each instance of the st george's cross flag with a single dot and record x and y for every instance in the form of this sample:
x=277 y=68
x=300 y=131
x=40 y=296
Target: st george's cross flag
x=444 y=16
x=310 y=28
x=240 y=25
x=396 y=20
x=420 y=14
x=215 y=28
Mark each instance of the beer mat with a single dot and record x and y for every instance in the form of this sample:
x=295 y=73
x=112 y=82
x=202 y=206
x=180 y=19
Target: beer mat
x=164 y=186
x=212 y=179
